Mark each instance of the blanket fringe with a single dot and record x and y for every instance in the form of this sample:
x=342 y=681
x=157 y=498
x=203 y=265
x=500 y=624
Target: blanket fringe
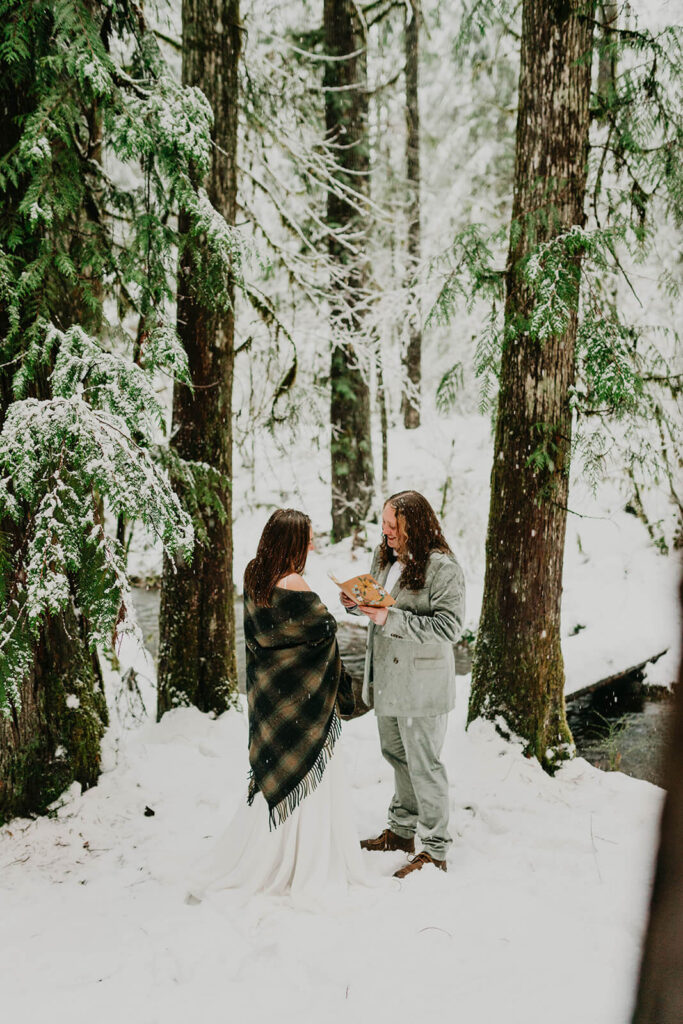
x=281 y=811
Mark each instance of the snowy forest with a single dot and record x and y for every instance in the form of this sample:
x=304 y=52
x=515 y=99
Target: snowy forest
x=258 y=254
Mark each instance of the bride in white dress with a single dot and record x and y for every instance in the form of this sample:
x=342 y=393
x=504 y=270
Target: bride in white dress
x=303 y=845
x=312 y=857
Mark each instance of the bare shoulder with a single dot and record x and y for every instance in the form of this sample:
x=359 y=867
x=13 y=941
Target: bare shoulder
x=296 y=582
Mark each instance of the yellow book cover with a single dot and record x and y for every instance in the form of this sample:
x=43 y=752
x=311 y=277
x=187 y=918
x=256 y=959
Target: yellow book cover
x=365 y=590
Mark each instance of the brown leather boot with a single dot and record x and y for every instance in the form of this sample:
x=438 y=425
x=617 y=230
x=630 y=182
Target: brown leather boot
x=388 y=840
x=417 y=863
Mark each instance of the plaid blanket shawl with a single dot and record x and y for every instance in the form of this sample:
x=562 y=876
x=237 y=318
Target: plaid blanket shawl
x=296 y=689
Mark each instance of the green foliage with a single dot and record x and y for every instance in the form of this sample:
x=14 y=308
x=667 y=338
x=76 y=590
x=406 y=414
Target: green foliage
x=469 y=273
x=71 y=225
x=200 y=487
x=478 y=17
x=622 y=376
x=55 y=456
x=553 y=270
x=467 y=638
x=449 y=386
x=487 y=359
x=543 y=458
x=642 y=115
x=470 y=276
x=102 y=159
x=609 y=370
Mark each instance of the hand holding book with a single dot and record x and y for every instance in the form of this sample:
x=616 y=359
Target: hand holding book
x=375 y=614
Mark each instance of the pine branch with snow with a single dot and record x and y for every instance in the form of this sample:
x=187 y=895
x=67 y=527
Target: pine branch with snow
x=100 y=173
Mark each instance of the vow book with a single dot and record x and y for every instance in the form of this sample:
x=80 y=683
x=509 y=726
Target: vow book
x=365 y=590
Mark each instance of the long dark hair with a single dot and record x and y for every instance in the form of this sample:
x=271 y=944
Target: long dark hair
x=283 y=548
x=423 y=535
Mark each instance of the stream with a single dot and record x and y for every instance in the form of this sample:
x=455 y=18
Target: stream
x=621 y=727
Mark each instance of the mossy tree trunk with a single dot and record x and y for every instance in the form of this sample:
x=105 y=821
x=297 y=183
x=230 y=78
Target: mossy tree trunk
x=412 y=359
x=197 y=664
x=518 y=671
x=54 y=739
x=346 y=120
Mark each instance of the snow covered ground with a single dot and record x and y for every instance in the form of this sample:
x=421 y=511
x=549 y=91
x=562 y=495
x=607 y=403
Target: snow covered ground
x=542 y=911
x=539 y=917
x=541 y=914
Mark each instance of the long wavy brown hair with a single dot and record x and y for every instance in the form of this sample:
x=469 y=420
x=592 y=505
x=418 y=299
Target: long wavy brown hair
x=418 y=522
x=283 y=548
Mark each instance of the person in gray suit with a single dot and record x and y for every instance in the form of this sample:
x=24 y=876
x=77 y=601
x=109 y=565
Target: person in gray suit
x=409 y=675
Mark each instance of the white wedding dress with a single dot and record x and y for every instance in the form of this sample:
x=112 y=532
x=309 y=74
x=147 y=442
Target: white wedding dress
x=312 y=858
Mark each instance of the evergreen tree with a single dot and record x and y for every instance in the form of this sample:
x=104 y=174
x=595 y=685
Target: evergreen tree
x=518 y=670
x=412 y=358
x=197 y=663
x=559 y=360
x=84 y=98
x=346 y=117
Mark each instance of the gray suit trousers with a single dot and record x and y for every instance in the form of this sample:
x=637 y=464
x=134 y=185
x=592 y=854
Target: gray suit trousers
x=412 y=746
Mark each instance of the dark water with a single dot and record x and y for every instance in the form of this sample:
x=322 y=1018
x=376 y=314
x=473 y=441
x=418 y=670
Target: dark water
x=621 y=727
x=624 y=727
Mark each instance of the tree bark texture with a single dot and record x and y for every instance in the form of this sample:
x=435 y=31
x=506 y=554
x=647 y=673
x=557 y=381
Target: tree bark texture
x=518 y=669
x=346 y=121
x=197 y=662
x=412 y=359
x=659 y=999
x=384 y=421
x=55 y=738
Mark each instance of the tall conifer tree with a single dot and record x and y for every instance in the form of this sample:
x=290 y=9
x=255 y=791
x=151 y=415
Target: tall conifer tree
x=59 y=704
x=346 y=121
x=82 y=252
x=412 y=359
x=197 y=662
x=570 y=373
x=518 y=669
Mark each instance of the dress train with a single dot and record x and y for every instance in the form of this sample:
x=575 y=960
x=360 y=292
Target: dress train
x=312 y=857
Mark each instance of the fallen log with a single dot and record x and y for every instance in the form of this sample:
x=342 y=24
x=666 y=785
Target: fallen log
x=615 y=677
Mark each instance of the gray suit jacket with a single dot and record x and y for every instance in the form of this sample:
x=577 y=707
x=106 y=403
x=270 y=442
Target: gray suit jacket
x=409 y=663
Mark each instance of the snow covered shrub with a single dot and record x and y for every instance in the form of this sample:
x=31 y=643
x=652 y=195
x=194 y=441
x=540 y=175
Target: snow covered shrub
x=101 y=150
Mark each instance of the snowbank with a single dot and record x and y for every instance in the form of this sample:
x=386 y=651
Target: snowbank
x=540 y=915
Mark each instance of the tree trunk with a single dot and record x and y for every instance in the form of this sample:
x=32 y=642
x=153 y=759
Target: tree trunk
x=518 y=670
x=197 y=622
x=660 y=991
x=346 y=120
x=384 y=421
x=412 y=359
x=607 y=68
x=55 y=738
